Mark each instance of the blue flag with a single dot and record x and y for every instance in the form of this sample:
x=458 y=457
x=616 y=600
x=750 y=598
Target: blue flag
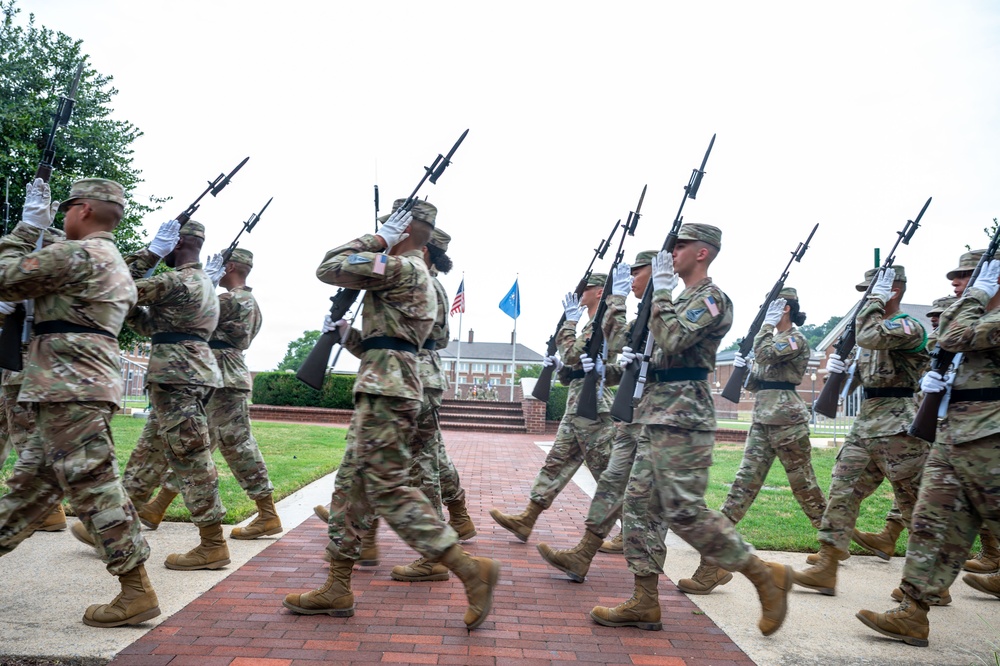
x=511 y=303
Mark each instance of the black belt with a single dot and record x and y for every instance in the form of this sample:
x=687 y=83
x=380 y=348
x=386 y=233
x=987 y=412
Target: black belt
x=386 y=342
x=776 y=386
x=430 y=345
x=576 y=374
x=680 y=375
x=976 y=395
x=60 y=326
x=891 y=392
x=171 y=338
x=220 y=344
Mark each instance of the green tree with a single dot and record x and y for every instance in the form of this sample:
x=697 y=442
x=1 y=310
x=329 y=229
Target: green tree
x=298 y=350
x=527 y=371
x=815 y=334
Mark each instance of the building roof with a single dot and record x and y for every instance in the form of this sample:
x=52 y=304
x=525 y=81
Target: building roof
x=489 y=351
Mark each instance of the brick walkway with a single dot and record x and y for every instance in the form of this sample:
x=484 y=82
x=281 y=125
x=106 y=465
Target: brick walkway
x=538 y=617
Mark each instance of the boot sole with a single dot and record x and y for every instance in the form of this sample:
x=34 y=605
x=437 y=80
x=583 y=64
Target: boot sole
x=419 y=579
x=332 y=612
x=645 y=626
x=467 y=536
x=610 y=551
x=368 y=563
x=973 y=569
x=135 y=619
x=573 y=576
x=722 y=581
x=58 y=527
x=270 y=532
x=218 y=564
x=488 y=606
x=975 y=584
x=909 y=640
x=148 y=524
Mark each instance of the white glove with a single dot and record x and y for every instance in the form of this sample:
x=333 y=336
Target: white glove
x=987 y=278
x=572 y=307
x=933 y=382
x=591 y=364
x=166 y=238
x=215 y=269
x=341 y=325
x=553 y=360
x=394 y=229
x=6 y=308
x=626 y=357
x=883 y=285
x=663 y=271
x=739 y=361
x=37 y=210
x=835 y=365
x=621 y=280
x=774 y=311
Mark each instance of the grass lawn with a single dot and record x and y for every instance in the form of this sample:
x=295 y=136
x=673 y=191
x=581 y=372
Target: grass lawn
x=295 y=455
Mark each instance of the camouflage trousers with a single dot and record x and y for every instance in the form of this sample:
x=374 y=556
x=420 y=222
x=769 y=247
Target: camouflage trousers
x=606 y=506
x=666 y=490
x=431 y=468
x=578 y=441
x=71 y=454
x=177 y=429
x=861 y=465
x=373 y=481
x=19 y=419
x=960 y=491
x=790 y=445
x=5 y=444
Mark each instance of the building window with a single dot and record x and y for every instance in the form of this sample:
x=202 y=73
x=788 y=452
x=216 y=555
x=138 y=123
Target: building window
x=479 y=368
x=496 y=368
x=446 y=365
x=463 y=367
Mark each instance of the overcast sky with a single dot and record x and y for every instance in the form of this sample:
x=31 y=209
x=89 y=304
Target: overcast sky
x=847 y=114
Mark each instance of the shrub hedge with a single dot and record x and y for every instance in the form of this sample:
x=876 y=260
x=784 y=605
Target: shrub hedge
x=283 y=389
x=556 y=406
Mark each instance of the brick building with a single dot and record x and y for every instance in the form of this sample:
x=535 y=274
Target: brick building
x=484 y=362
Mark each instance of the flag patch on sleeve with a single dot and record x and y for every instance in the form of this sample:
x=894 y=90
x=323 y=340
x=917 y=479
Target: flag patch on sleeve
x=380 y=264
x=792 y=344
x=712 y=306
x=906 y=326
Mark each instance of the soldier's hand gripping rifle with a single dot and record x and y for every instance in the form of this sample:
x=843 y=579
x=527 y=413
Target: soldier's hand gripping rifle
x=634 y=376
x=586 y=405
x=247 y=227
x=735 y=383
x=829 y=397
x=17 y=326
x=924 y=423
x=313 y=369
x=543 y=386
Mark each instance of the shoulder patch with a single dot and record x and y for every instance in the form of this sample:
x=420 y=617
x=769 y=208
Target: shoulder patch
x=892 y=325
x=358 y=259
x=29 y=265
x=781 y=346
x=695 y=314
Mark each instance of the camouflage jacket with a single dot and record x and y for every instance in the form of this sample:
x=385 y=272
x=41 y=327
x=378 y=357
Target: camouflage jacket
x=890 y=353
x=400 y=302
x=686 y=334
x=616 y=328
x=83 y=282
x=179 y=301
x=779 y=356
x=570 y=348
x=967 y=327
x=239 y=323
x=432 y=376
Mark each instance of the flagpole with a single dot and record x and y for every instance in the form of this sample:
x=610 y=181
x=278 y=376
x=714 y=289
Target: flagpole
x=513 y=351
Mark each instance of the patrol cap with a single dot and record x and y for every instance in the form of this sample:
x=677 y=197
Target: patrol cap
x=99 y=189
x=705 y=233
x=940 y=305
x=423 y=211
x=597 y=279
x=192 y=228
x=644 y=258
x=439 y=239
x=241 y=256
x=789 y=294
x=967 y=263
x=870 y=275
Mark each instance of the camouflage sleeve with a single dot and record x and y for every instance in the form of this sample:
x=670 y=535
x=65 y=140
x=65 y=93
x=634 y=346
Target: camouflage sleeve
x=964 y=328
x=443 y=328
x=361 y=265
x=569 y=345
x=158 y=289
x=234 y=319
x=353 y=342
x=140 y=262
x=615 y=326
x=874 y=331
x=138 y=320
x=768 y=352
x=674 y=331
x=25 y=273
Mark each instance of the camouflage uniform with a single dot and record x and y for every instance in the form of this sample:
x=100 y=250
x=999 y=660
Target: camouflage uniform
x=73 y=382
x=181 y=377
x=400 y=303
x=5 y=443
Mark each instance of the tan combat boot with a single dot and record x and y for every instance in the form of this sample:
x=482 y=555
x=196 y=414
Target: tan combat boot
x=369 y=547
x=265 y=524
x=152 y=512
x=82 y=534
x=897 y=595
x=322 y=513
x=642 y=610
x=989 y=584
x=458 y=518
x=705 y=579
x=772 y=581
x=334 y=598
x=211 y=553
x=480 y=575
x=907 y=622
x=521 y=524
x=55 y=521
x=420 y=570
x=615 y=545
x=574 y=562
x=988 y=559
x=822 y=576
x=881 y=543
x=134 y=604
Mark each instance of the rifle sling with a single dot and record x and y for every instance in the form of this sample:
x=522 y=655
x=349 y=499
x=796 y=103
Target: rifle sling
x=169 y=338
x=60 y=326
x=678 y=375
x=387 y=342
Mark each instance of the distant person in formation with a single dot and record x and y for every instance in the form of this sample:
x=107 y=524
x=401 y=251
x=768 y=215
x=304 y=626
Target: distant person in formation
x=72 y=381
x=666 y=486
x=779 y=427
x=579 y=440
x=958 y=492
x=400 y=306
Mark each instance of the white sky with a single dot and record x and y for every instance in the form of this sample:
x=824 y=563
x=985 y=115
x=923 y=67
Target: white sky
x=847 y=114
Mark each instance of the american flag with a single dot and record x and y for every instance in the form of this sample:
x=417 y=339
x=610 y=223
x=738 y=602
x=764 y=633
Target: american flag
x=458 y=304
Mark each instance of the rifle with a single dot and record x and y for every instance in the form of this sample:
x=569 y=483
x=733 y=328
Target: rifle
x=735 y=383
x=634 y=378
x=586 y=405
x=543 y=386
x=313 y=369
x=376 y=208
x=924 y=423
x=826 y=403
x=18 y=324
x=247 y=227
x=333 y=363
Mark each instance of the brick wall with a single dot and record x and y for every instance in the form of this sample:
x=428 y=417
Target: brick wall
x=301 y=414
x=534 y=416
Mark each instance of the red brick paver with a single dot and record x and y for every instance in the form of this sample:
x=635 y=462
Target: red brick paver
x=538 y=617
